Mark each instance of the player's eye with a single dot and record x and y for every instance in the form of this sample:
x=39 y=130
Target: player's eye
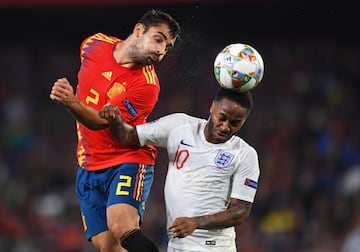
x=235 y=124
x=158 y=39
x=222 y=118
x=168 y=47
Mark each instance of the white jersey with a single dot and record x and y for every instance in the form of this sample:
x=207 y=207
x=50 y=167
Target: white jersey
x=202 y=176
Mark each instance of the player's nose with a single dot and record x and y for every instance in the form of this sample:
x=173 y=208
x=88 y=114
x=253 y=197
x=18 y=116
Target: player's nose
x=225 y=126
x=161 y=49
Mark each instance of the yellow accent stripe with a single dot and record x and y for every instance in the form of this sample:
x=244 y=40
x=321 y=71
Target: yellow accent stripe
x=103 y=37
x=152 y=74
x=98 y=36
x=145 y=74
x=149 y=74
x=81 y=151
x=139 y=187
x=85 y=45
x=84 y=221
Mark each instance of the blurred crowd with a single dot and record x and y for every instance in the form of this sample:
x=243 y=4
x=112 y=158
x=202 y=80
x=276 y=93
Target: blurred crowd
x=304 y=125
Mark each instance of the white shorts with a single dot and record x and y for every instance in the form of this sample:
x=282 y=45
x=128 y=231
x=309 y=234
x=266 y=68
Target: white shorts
x=170 y=249
x=179 y=250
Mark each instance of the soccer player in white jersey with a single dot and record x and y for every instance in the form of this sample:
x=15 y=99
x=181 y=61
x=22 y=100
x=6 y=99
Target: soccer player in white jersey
x=212 y=173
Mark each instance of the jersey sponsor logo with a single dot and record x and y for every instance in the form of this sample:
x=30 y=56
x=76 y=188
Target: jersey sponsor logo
x=251 y=183
x=184 y=143
x=210 y=243
x=223 y=159
x=129 y=107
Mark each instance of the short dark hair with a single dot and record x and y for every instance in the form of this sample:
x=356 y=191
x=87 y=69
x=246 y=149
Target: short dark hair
x=244 y=99
x=154 y=17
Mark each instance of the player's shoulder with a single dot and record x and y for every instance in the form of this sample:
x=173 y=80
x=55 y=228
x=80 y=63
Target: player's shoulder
x=187 y=117
x=102 y=37
x=182 y=118
x=244 y=145
x=178 y=115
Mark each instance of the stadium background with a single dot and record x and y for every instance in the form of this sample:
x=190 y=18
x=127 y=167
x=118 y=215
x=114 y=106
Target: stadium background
x=305 y=123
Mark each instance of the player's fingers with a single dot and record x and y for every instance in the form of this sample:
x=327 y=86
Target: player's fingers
x=59 y=92
x=173 y=233
x=102 y=113
x=63 y=80
x=111 y=110
x=56 y=93
x=112 y=113
x=115 y=112
x=179 y=234
x=59 y=89
x=53 y=96
x=107 y=112
x=63 y=83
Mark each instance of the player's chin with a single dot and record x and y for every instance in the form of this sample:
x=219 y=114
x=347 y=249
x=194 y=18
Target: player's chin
x=150 y=61
x=221 y=137
x=155 y=58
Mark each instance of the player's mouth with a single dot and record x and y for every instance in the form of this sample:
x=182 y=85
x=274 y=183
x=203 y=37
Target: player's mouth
x=221 y=136
x=154 y=57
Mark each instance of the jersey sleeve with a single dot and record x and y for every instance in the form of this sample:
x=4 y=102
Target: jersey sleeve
x=245 y=179
x=157 y=132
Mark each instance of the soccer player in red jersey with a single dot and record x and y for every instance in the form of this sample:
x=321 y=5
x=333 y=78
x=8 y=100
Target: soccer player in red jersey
x=113 y=181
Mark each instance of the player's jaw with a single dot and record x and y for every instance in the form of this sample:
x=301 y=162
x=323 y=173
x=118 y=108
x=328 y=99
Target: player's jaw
x=221 y=136
x=148 y=58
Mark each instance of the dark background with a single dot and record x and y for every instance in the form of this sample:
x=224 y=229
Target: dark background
x=305 y=123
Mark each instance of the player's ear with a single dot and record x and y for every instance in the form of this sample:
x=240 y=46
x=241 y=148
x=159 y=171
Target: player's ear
x=212 y=107
x=243 y=122
x=138 y=29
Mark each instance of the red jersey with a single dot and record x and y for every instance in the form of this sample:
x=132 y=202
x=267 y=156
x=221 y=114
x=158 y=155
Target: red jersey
x=134 y=91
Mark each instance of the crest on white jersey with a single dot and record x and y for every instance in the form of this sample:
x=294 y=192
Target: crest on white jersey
x=223 y=158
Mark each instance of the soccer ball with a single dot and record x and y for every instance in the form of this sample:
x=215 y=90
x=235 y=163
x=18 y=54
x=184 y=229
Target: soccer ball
x=239 y=67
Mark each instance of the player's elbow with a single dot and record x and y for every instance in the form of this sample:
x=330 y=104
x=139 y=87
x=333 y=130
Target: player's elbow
x=240 y=211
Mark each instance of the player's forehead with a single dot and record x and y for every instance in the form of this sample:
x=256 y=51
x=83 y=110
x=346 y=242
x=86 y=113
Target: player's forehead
x=230 y=108
x=162 y=29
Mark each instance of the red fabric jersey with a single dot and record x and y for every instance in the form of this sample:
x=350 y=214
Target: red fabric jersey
x=134 y=91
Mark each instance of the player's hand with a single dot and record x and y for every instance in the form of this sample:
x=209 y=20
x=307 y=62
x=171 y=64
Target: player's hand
x=182 y=226
x=110 y=113
x=62 y=92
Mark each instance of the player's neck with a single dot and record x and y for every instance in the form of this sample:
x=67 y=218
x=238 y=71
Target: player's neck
x=121 y=57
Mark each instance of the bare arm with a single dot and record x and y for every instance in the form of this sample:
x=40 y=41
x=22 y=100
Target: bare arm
x=121 y=131
x=63 y=93
x=236 y=214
